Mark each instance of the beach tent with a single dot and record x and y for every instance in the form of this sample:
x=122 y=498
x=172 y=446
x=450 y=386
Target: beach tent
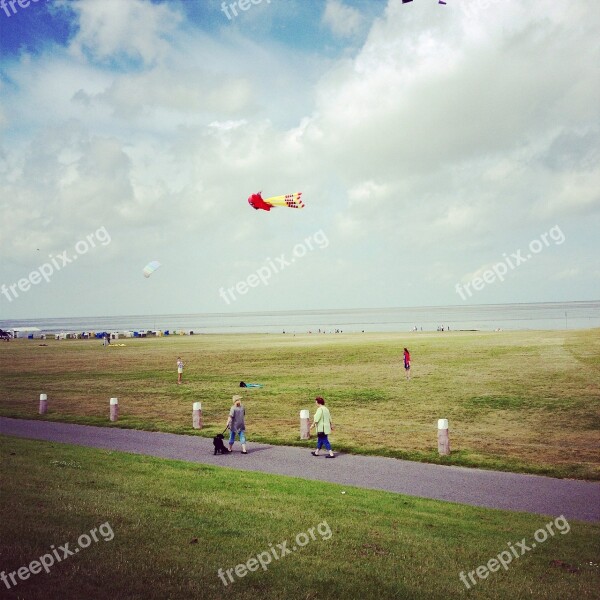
x=17 y=330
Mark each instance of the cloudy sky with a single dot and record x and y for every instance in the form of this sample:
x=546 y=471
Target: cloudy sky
x=431 y=144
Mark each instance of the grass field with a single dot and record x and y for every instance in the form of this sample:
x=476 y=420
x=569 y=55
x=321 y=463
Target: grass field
x=519 y=401
x=175 y=524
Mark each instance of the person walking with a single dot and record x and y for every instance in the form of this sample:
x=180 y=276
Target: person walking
x=323 y=424
x=236 y=423
x=407 y=363
x=179 y=370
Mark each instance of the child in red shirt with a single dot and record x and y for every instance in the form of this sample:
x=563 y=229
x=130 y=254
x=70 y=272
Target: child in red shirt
x=407 y=363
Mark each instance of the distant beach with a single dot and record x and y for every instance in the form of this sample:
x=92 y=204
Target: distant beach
x=550 y=315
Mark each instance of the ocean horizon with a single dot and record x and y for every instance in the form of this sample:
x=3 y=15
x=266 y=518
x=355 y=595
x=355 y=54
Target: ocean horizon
x=485 y=317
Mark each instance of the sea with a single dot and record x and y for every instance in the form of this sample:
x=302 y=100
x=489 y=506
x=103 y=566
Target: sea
x=487 y=317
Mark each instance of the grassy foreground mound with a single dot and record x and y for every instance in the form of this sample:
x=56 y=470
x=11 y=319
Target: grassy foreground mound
x=524 y=401
x=175 y=524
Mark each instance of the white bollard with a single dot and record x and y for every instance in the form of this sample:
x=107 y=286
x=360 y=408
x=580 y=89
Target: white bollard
x=114 y=409
x=197 y=415
x=304 y=425
x=443 y=438
x=43 y=404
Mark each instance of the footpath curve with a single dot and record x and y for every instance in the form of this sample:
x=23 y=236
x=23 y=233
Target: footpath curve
x=491 y=489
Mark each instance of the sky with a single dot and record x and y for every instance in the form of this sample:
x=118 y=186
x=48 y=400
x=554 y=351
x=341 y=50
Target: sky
x=446 y=154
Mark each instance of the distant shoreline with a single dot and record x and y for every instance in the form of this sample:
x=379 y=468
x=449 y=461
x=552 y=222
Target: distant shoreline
x=115 y=335
x=441 y=307
x=486 y=317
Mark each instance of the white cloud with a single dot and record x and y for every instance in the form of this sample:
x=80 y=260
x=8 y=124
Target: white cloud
x=568 y=274
x=442 y=143
x=344 y=21
x=112 y=29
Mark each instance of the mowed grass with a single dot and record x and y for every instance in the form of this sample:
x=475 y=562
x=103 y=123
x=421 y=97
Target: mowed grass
x=523 y=401
x=176 y=524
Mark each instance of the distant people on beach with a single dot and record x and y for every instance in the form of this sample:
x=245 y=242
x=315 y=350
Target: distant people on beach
x=179 y=370
x=236 y=423
x=407 y=363
x=323 y=424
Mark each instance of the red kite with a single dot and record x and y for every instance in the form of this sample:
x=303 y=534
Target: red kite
x=290 y=200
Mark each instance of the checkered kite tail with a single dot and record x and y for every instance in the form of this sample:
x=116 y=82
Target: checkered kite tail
x=290 y=200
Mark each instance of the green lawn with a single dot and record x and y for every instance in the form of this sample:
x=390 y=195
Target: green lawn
x=523 y=401
x=175 y=524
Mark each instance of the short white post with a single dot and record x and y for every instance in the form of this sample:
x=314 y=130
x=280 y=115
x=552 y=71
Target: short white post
x=304 y=425
x=197 y=415
x=43 y=404
x=114 y=409
x=443 y=438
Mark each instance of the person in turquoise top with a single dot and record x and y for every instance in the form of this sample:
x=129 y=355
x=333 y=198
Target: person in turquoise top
x=322 y=422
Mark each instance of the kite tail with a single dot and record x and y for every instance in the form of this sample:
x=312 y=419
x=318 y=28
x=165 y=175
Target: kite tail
x=290 y=200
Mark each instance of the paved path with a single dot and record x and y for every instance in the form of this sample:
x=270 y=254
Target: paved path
x=492 y=489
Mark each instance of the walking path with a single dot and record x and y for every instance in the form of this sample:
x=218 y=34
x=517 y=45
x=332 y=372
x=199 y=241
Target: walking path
x=491 y=489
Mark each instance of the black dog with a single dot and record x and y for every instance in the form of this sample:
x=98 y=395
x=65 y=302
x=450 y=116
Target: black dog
x=219 y=445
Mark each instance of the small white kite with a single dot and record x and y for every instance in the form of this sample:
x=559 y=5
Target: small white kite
x=150 y=268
